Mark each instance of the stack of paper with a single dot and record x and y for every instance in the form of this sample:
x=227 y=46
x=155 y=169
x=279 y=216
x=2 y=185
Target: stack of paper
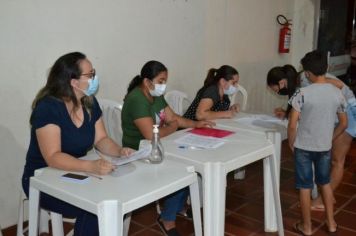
x=203 y=142
x=144 y=152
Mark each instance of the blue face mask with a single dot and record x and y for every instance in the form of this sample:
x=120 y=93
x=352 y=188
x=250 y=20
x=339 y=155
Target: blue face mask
x=93 y=85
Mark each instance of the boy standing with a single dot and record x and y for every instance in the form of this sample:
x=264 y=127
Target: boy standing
x=310 y=134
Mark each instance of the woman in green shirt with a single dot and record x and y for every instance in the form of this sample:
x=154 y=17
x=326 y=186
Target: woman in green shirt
x=144 y=106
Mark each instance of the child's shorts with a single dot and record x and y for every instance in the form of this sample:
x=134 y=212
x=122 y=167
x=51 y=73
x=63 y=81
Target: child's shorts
x=304 y=171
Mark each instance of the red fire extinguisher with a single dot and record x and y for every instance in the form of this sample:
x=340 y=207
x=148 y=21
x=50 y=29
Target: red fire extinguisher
x=284 y=34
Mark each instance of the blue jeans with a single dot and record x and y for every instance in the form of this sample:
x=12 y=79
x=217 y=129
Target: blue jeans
x=174 y=204
x=86 y=223
x=304 y=171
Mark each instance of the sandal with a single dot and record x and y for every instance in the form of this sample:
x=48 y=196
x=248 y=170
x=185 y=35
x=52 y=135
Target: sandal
x=317 y=208
x=298 y=230
x=188 y=214
x=171 y=232
x=332 y=232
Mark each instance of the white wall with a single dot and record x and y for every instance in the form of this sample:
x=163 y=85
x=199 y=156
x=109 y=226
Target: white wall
x=188 y=36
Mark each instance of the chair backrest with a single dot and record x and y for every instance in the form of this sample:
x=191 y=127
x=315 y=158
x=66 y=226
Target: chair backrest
x=112 y=118
x=242 y=91
x=177 y=100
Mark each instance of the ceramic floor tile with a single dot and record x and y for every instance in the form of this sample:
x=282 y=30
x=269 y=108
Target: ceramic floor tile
x=252 y=210
x=134 y=228
x=287 y=201
x=237 y=225
x=349 y=177
x=351 y=206
x=146 y=215
x=286 y=175
x=340 y=232
x=288 y=164
x=233 y=202
x=244 y=190
x=148 y=232
x=346 y=219
x=288 y=187
x=185 y=227
x=346 y=189
x=262 y=233
x=340 y=201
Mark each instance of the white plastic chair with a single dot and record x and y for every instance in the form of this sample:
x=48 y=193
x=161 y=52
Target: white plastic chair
x=177 y=101
x=112 y=122
x=243 y=93
x=112 y=118
x=240 y=173
x=45 y=216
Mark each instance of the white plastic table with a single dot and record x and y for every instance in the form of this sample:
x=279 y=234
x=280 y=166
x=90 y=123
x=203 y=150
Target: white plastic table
x=257 y=125
x=276 y=133
x=111 y=197
x=243 y=147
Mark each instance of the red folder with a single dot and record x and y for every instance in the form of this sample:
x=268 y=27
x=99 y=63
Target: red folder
x=216 y=133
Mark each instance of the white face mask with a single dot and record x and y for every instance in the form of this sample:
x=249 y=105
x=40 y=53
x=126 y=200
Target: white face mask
x=158 y=90
x=231 y=90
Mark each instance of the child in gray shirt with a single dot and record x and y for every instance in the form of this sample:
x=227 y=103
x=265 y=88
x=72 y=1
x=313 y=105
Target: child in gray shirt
x=310 y=134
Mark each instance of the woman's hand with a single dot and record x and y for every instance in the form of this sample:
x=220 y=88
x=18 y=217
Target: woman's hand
x=126 y=151
x=229 y=114
x=204 y=124
x=337 y=83
x=173 y=125
x=235 y=108
x=280 y=113
x=102 y=167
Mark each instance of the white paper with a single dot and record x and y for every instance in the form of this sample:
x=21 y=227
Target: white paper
x=198 y=141
x=142 y=153
x=258 y=119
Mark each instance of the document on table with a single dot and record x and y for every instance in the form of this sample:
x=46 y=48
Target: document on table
x=252 y=119
x=198 y=141
x=211 y=132
x=142 y=153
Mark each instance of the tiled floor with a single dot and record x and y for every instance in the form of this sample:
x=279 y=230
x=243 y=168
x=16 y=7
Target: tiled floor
x=244 y=204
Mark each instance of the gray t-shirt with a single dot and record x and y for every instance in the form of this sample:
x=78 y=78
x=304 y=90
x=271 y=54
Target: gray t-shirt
x=318 y=105
x=345 y=90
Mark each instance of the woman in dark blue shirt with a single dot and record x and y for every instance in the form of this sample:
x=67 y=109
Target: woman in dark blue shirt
x=65 y=123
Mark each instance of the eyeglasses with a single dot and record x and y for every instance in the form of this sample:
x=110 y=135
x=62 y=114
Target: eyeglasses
x=89 y=75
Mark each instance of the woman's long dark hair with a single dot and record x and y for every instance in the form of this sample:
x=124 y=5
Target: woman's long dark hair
x=214 y=75
x=150 y=70
x=58 y=85
x=284 y=72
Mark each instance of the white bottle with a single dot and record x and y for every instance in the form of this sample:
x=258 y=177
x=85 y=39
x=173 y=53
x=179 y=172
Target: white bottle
x=157 y=153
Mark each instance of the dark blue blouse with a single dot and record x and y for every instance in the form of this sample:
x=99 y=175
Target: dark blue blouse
x=74 y=141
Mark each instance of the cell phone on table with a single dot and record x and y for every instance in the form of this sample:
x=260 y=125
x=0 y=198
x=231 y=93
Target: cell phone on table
x=74 y=177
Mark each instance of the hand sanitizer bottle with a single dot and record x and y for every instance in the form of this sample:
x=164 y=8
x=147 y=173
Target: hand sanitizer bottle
x=157 y=153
